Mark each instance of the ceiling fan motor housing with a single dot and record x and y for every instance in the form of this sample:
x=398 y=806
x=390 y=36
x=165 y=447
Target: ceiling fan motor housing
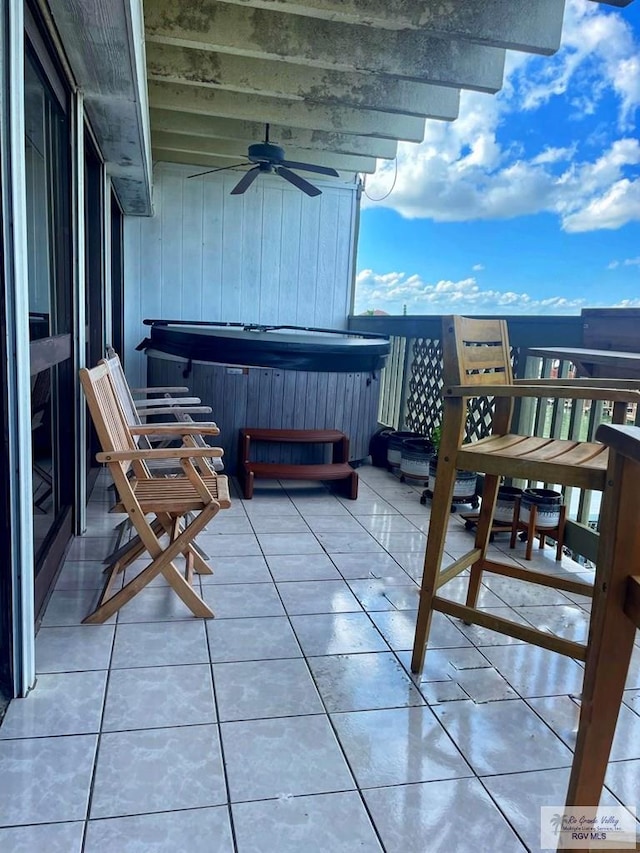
x=265 y=151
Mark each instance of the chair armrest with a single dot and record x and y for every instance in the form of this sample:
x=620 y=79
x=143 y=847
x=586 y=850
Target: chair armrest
x=164 y=453
x=167 y=401
x=161 y=389
x=176 y=429
x=604 y=382
x=173 y=410
x=623 y=439
x=554 y=391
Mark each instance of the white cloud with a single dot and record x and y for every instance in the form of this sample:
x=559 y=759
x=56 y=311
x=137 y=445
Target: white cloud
x=598 y=47
x=477 y=267
x=554 y=155
x=585 y=195
x=393 y=290
x=628 y=262
x=463 y=170
x=617 y=206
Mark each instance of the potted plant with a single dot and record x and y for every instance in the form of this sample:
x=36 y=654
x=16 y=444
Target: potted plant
x=464 y=489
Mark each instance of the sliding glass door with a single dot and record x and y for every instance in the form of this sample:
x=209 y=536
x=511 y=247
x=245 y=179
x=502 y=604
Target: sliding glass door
x=50 y=313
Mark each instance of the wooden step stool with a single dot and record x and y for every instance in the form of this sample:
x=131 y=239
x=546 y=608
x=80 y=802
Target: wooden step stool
x=337 y=469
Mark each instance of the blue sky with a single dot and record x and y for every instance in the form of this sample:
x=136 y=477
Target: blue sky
x=530 y=201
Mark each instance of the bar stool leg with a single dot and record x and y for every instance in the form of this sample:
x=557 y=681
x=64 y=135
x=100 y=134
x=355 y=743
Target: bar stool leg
x=611 y=633
x=483 y=534
x=453 y=422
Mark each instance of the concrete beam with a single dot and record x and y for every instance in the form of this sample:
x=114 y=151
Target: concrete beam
x=410 y=54
x=206 y=162
x=515 y=24
x=103 y=41
x=192 y=99
x=253 y=131
x=173 y=64
x=237 y=151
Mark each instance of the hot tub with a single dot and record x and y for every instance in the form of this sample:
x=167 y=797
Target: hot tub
x=282 y=377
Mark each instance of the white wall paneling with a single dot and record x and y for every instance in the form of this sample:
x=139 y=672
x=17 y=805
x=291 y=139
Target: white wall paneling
x=272 y=255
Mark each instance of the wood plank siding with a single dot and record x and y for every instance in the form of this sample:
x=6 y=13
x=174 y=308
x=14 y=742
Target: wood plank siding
x=272 y=255
x=271 y=398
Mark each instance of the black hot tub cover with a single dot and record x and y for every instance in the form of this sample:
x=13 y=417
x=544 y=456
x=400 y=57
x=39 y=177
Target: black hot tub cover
x=284 y=347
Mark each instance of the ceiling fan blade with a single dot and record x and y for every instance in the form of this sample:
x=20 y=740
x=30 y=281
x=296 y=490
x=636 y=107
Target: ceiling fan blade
x=309 y=167
x=297 y=181
x=221 y=169
x=245 y=181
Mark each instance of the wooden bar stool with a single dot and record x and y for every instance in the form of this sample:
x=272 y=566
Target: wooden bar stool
x=477 y=363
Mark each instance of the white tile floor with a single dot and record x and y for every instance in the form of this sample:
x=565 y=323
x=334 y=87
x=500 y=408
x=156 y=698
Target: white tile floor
x=290 y=722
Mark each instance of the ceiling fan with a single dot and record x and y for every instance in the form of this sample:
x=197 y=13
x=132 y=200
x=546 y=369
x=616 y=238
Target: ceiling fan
x=267 y=157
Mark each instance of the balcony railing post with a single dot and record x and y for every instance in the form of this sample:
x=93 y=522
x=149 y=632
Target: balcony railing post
x=407 y=359
x=525 y=412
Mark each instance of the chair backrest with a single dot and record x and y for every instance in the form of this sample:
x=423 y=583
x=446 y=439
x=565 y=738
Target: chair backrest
x=121 y=387
x=475 y=352
x=106 y=412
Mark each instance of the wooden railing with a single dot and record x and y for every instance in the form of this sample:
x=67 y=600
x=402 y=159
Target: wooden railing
x=411 y=393
x=410 y=389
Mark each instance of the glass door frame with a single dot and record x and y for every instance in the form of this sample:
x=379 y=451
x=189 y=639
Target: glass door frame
x=18 y=578
x=95 y=278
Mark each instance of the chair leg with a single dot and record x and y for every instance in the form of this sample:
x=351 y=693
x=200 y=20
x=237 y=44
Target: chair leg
x=611 y=633
x=200 y=550
x=161 y=563
x=131 y=550
x=188 y=572
x=604 y=681
x=201 y=567
x=483 y=534
x=440 y=508
x=186 y=592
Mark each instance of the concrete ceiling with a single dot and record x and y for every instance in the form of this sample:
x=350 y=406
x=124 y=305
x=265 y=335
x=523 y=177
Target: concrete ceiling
x=339 y=81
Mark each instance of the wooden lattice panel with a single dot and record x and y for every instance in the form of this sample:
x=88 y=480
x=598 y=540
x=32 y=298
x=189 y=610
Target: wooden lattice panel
x=479 y=417
x=424 y=396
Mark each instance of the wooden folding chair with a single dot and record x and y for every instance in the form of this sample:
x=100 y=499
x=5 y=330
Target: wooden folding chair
x=477 y=363
x=168 y=499
x=135 y=411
